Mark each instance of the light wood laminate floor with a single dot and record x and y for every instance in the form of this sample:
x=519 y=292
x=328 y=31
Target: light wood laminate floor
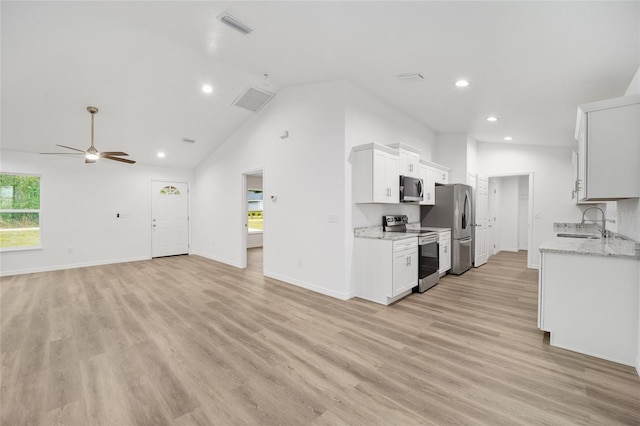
x=188 y=341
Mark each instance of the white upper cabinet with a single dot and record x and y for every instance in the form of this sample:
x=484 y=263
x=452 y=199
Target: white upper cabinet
x=409 y=158
x=441 y=176
x=439 y=173
x=376 y=171
x=577 y=192
x=428 y=180
x=375 y=174
x=608 y=134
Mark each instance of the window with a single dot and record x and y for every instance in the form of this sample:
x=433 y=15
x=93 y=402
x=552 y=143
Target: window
x=19 y=211
x=256 y=218
x=170 y=190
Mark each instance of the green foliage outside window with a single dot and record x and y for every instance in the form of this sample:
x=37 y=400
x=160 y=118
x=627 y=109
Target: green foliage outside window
x=19 y=211
x=19 y=192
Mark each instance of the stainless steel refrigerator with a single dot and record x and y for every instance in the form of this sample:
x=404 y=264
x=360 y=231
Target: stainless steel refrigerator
x=453 y=210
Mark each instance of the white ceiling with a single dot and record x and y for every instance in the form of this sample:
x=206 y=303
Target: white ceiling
x=143 y=64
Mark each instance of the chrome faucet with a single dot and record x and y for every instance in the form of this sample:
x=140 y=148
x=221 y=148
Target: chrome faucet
x=604 y=220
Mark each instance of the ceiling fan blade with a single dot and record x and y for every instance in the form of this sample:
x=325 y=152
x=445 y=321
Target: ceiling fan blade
x=88 y=161
x=68 y=147
x=117 y=153
x=63 y=153
x=122 y=160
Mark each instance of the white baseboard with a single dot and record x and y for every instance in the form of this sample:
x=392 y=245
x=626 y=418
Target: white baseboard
x=217 y=259
x=308 y=286
x=511 y=249
x=70 y=266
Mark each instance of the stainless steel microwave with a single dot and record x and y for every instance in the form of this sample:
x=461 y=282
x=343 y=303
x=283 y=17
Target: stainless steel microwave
x=411 y=189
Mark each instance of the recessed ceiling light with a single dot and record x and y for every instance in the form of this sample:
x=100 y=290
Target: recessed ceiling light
x=508 y=138
x=492 y=118
x=161 y=155
x=207 y=88
x=462 y=83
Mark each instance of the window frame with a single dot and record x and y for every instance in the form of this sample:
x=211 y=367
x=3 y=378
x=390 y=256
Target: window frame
x=39 y=211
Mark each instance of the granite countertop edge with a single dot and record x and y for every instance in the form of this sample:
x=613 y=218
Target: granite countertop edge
x=613 y=246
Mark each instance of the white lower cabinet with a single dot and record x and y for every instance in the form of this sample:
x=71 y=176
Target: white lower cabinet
x=384 y=270
x=589 y=304
x=444 y=242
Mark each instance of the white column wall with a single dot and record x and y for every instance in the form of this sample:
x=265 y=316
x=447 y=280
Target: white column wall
x=305 y=174
x=452 y=151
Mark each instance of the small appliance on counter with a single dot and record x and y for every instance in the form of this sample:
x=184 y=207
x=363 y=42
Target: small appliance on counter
x=428 y=250
x=453 y=210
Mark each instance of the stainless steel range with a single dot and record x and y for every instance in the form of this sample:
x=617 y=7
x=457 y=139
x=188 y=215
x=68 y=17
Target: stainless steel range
x=428 y=250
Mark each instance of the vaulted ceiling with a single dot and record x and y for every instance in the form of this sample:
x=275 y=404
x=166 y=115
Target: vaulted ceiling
x=143 y=64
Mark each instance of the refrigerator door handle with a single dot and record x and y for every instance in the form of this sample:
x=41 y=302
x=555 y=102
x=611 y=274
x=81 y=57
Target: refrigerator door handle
x=465 y=241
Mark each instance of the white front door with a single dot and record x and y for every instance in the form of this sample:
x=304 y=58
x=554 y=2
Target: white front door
x=481 y=230
x=169 y=218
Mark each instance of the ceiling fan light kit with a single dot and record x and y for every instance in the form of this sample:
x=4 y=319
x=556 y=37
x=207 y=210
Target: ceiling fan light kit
x=91 y=155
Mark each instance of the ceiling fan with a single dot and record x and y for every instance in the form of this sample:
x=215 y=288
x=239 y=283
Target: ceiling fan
x=91 y=155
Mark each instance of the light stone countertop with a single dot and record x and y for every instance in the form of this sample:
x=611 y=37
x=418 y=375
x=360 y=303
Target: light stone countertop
x=427 y=228
x=375 y=232
x=614 y=245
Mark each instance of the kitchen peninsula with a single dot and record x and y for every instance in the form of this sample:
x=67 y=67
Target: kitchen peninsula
x=590 y=306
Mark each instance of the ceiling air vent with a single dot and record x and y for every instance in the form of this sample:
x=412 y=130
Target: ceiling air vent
x=253 y=98
x=235 y=23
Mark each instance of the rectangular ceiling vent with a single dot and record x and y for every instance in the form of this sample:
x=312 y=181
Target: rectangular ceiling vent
x=410 y=76
x=253 y=98
x=235 y=23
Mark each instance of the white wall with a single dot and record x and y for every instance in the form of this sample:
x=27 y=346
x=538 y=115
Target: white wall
x=451 y=151
x=552 y=175
x=507 y=213
x=304 y=171
x=523 y=212
x=472 y=155
x=79 y=203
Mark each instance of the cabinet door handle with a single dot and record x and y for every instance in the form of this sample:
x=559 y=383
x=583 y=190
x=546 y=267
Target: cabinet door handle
x=445 y=249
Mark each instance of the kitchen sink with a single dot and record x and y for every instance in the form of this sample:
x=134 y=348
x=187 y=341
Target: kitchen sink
x=588 y=236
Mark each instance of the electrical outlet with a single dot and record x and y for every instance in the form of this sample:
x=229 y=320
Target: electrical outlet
x=70 y=250
x=299 y=262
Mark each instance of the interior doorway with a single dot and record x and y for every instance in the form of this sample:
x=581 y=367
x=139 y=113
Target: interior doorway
x=511 y=213
x=253 y=220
